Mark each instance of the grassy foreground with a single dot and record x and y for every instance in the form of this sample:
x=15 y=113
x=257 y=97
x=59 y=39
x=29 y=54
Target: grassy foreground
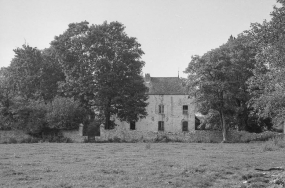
x=69 y=165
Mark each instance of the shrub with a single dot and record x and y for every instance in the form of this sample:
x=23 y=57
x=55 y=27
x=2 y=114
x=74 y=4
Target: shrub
x=274 y=144
x=279 y=141
x=5 y=122
x=117 y=139
x=65 y=113
x=35 y=117
x=26 y=140
x=31 y=117
x=12 y=141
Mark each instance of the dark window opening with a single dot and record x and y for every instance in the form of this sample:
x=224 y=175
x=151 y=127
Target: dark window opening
x=161 y=126
x=133 y=125
x=199 y=125
x=185 y=126
x=161 y=109
x=185 y=109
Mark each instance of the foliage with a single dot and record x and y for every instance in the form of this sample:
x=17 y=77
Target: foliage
x=102 y=67
x=30 y=117
x=34 y=73
x=267 y=84
x=218 y=80
x=275 y=143
x=64 y=113
x=32 y=76
x=7 y=94
x=35 y=117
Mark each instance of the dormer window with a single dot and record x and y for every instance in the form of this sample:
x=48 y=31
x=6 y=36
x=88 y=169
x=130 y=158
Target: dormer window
x=161 y=109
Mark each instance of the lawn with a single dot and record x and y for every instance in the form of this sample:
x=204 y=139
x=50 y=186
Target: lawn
x=69 y=165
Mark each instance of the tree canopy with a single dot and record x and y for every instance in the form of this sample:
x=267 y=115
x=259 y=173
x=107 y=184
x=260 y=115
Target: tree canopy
x=102 y=66
x=218 y=80
x=267 y=84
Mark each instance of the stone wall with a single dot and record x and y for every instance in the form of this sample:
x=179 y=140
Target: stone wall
x=122 y=134
x=74 y=135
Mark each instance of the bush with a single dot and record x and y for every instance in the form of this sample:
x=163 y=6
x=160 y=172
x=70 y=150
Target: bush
x=65 y=113
x=5 y=122
x=12 y=141
x=274 y=144
x=55 y=135
x=35 y=117
x=30 y=117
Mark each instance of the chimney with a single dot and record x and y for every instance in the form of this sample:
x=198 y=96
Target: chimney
x=147 y=78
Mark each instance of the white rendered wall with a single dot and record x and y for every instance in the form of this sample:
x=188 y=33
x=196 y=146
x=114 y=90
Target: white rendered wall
x=173 y=114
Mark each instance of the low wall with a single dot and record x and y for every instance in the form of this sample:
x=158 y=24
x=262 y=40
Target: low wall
x=211 y=136
x=124 y=135
x=74 y=135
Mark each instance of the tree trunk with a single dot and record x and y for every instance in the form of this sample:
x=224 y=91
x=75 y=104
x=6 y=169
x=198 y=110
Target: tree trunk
x=284 y=130
x=107 y=114
x=224 y=129
x=107 y=119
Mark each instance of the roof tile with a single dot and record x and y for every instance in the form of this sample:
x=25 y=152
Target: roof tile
x=165 y=86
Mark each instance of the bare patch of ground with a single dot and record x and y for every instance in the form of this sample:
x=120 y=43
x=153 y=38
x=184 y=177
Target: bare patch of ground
x=50 y=165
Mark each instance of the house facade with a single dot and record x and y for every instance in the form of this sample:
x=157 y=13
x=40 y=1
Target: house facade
x=169 y=108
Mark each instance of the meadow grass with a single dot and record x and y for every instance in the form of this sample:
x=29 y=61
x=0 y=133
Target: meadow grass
x=69 y=165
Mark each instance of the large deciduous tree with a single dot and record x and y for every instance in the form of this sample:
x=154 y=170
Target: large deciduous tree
x=102 y=66
x=7 y=93
x=268 y=85
x=218 y=80
x=35 y=73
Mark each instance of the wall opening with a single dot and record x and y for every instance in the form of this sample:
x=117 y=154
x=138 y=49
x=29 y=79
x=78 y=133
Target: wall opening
x=185 y=109
x=161 y=109
x=185 y=126
x=133 y=125
x=160 y=125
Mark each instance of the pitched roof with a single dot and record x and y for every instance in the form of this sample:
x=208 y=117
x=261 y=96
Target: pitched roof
x=165 y=86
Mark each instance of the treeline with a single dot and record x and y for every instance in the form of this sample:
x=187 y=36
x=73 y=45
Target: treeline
x=89 y=73
x=241 y=83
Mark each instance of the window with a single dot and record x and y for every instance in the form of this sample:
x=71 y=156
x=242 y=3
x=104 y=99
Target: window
x=161 y=109
x=185 y=109
x=133 y=125
x=161 y=126
x=185 y=126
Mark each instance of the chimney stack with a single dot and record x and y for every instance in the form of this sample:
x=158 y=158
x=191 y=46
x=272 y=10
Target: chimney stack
x=147 y=78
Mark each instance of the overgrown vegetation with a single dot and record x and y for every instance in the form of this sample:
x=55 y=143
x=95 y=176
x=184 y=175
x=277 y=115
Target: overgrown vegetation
x=240 y=84
x=87 y=68
x=274 y=143
x=38 y=117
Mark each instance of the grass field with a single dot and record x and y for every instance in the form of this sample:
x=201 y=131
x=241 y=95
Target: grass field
x=133 y=165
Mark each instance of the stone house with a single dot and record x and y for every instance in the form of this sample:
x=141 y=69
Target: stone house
x=169 y=108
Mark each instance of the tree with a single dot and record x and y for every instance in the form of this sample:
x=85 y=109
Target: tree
x=267 y=85
x=206 y=78
x=218 y=80
x=102 y=66
x=35 y=73
x=242 y=61
x=7 y=94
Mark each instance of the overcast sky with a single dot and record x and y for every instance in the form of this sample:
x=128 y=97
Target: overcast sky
x=170 y=31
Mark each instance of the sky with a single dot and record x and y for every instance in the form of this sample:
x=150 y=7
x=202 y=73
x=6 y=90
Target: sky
x=169 y=31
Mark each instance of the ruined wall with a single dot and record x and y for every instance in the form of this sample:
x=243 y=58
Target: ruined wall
x=173 y=116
